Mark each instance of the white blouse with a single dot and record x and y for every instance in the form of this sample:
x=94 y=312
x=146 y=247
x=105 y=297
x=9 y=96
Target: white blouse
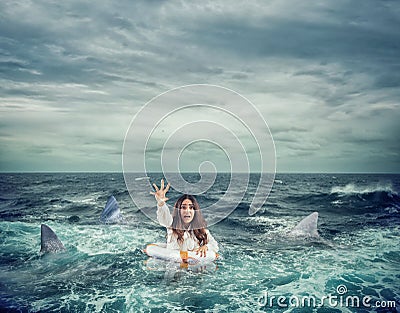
x=190 y=241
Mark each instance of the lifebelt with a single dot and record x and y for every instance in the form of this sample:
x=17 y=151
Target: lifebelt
x=160 y=251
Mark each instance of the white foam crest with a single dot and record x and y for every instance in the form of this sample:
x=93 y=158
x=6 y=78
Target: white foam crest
x=89 y=199
x=113 y=239
x=351 y=188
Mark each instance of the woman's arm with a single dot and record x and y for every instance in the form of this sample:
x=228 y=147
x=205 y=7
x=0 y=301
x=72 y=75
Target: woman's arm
x=164 y=217
x=212 y=243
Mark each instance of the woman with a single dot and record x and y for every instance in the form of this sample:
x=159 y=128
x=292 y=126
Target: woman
x=186 y=227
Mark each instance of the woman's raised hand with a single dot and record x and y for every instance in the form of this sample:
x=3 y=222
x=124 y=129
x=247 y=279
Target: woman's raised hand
x=159 y=194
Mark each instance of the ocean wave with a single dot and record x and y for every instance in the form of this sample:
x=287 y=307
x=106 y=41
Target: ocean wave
x=351 y=189
x=370 y=198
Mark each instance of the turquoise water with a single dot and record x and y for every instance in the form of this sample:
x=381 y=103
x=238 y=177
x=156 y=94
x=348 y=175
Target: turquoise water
x=105 y=270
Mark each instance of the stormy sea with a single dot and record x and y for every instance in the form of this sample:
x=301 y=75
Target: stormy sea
x=352 y=266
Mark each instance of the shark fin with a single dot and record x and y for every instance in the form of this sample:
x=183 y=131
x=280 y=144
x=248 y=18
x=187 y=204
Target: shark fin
x=49 y=241
x=307 y=227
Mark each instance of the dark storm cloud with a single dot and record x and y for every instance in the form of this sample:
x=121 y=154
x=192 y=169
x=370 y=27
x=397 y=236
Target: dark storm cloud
x=72 y=74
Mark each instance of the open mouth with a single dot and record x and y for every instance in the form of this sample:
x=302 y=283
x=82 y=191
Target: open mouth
x=187 y=216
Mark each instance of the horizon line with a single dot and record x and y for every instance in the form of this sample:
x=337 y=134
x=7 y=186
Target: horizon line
x=187 y=172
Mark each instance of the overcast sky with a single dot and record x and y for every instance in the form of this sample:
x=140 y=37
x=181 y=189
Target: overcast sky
x=324 y=74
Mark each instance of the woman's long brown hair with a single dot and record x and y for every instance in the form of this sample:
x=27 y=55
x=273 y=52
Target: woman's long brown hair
x=198 y=224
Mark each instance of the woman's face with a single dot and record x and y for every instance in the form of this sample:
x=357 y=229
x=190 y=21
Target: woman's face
x=187 y=211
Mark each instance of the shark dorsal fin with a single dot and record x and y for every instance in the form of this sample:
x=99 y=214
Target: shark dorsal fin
x=307 y=227
x=49 y=241
x=111 y=212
